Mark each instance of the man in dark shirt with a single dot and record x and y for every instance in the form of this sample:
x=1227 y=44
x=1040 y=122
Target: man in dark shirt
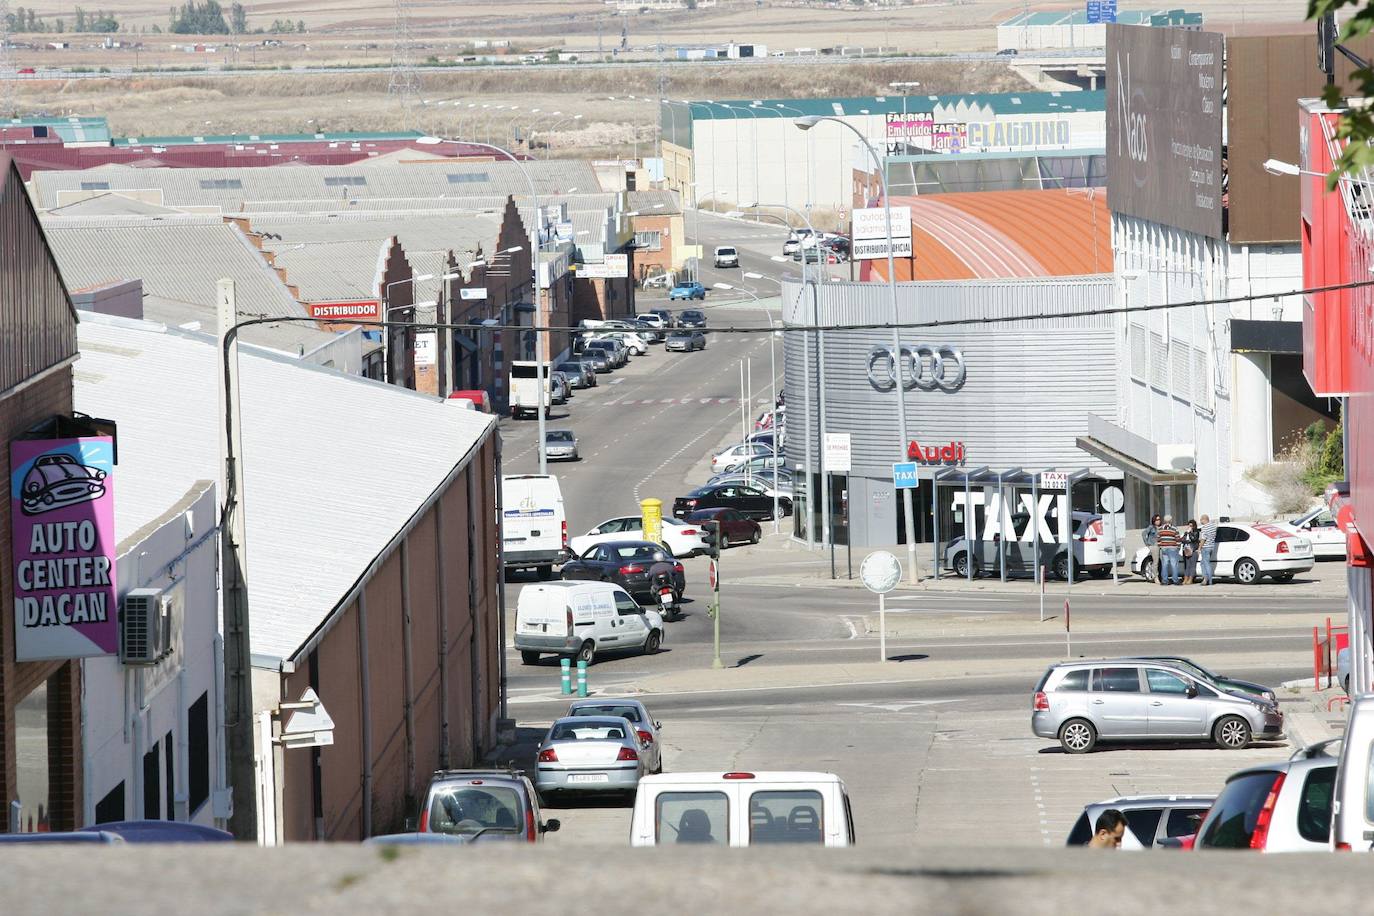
x=1169 y=542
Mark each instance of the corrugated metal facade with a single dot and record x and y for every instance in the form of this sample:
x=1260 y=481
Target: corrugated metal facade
x=1031 y=384
x=39 y=326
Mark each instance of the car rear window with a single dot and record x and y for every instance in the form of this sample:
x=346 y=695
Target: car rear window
x=1231 y=823
x=467 y=809
x=624 y=712
x=1082 y=831
x=1184 y=821
x=786 y=817
x=592 y=731
x=1073 y=682
x=692 y=817
x=1314 y=807
x=1143 y=823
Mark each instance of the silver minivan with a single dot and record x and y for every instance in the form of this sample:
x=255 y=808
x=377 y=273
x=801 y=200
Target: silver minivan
x=1082 y=702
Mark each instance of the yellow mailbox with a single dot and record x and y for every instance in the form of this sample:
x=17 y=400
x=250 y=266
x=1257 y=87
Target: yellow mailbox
x=651 y=512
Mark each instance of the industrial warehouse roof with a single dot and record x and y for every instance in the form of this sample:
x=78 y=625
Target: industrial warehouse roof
x=338 y=270
x=1005 y=103
x=989 y=234
x=210 y=139
x=231 y=188
x=180 y=259
x=71 y=129
x=307 y=547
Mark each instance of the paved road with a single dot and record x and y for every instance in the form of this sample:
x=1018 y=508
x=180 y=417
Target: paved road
x=802 y=688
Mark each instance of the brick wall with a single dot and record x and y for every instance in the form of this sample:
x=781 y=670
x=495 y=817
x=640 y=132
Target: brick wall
x=18 y=412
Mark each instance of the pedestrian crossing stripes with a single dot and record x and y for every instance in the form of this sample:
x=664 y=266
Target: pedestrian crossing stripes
x=635 y=402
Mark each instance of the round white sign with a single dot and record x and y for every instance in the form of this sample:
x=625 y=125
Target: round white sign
x=880 y=572
x=1113 y=499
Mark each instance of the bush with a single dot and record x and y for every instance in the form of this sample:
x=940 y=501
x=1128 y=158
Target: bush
x=1315 y=459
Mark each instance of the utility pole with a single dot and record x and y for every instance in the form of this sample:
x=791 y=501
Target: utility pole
x=238 y=685
x=8 y=74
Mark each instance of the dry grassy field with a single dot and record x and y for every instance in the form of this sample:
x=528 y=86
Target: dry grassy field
x=617 y=114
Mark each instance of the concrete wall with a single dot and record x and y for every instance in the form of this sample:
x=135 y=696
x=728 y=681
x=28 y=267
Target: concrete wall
x=426 y=633
x=129 y=711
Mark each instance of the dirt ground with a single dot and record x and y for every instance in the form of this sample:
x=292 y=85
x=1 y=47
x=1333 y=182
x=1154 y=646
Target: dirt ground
x=617 y=113
x=580 y=112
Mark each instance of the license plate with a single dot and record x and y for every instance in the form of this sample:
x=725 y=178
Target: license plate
x=588 y=777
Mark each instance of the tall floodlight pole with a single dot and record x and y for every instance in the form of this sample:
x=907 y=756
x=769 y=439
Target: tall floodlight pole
x=539 y=325
x=807 y=123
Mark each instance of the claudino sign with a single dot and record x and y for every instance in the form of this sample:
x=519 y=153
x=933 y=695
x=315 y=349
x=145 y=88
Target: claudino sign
x=63 y=536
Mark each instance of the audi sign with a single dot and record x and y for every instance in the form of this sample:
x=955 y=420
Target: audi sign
x=925 y=366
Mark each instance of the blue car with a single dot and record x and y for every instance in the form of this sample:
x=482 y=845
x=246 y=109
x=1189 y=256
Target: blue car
x=691 y=290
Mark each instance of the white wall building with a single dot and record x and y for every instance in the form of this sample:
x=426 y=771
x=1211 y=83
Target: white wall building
x=152 y=736
x=751 y=151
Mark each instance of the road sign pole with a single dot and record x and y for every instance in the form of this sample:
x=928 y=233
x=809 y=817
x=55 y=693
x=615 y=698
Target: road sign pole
x=1040 y=571
x=714 y=611
x=882 y=627
x=1068 y=637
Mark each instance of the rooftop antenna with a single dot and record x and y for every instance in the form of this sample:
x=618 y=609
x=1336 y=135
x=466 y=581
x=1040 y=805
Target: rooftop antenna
x=405 y=83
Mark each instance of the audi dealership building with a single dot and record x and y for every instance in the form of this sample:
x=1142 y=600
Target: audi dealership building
x=995 y=393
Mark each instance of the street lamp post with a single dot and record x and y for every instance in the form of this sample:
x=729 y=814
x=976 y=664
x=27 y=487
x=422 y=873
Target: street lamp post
x=534 y=233
x=772 y=383
x=754 y=129
x=807 y=123
x=387 y=375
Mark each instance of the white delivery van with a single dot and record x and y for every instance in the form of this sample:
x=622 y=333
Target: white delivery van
x=524 y=389
x=580 y=619
x=742 y=809
x=1352 y=805
x=534 y=530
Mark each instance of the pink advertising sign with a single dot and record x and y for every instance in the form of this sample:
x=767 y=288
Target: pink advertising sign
x=62 y=518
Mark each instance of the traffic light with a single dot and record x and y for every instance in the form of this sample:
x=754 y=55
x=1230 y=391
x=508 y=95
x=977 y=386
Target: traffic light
x=710 y=533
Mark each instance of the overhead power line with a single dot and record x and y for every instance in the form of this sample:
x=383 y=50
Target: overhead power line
x=866 y=326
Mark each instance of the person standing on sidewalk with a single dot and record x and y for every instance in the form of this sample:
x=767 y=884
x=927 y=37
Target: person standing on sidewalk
x=1208 y=545
x=1151 y=536
x=1169 y=542
x=1191 y=541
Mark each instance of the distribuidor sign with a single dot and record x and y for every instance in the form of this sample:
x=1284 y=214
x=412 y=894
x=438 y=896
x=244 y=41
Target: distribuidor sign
x=869 y=233
x=1164 y=126
x=63 y=536
x=360 y=310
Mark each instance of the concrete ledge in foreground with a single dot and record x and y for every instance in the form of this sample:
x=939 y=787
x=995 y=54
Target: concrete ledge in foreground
x=344 y=879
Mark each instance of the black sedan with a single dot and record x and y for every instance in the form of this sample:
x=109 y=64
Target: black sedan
x=636 y=566
x=692 y=318
x=751 y=502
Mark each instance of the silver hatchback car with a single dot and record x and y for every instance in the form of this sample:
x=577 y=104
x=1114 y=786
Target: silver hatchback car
x=1082 y=702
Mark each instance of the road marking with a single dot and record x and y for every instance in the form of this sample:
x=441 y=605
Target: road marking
x=849 y=624
x=616 y=381
x=897 y=706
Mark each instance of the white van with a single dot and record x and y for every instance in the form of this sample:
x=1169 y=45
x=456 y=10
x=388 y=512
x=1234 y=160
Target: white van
x=742 y=809
x=580 y=619
x=524 y=388
x=534 y=531
x=1352 y=805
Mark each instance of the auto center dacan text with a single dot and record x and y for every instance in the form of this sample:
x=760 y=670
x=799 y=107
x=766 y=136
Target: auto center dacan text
x=82 y=566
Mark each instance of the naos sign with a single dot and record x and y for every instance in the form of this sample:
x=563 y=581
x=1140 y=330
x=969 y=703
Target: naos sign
x=924 y=366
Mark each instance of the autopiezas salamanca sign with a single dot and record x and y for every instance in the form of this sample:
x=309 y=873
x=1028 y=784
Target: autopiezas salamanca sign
x=63 y=536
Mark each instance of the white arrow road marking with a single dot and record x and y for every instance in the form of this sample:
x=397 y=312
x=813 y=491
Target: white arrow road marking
x=897 y=706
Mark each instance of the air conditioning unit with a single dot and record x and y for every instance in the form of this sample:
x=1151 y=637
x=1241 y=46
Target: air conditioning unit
x=146 y=626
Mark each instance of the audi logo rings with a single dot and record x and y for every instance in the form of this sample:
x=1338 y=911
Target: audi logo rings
x=924 y=366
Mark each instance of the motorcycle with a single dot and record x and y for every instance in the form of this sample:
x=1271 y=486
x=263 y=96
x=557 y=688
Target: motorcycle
x=667 y=600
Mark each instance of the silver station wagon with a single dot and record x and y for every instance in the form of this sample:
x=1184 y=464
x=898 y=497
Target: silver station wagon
x=1083 y=702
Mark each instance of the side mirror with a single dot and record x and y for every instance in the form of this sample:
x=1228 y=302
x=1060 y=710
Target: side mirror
x=551 y=825
x=1192 y=691
x=412 y=824
x=658 y=726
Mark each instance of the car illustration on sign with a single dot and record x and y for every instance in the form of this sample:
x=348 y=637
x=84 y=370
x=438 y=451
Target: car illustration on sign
x=56 y=480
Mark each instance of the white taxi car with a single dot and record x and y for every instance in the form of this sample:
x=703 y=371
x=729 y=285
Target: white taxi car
x=1247 y=553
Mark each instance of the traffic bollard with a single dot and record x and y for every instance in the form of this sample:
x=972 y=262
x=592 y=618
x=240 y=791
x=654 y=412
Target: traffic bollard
x=581 y=678
x=566 y=665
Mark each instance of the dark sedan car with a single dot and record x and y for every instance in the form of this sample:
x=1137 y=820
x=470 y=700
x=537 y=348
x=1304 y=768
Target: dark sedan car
x=692 y=318
x=599 y=360
x=636 y=566
x=751 y=502
x=734 y=528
